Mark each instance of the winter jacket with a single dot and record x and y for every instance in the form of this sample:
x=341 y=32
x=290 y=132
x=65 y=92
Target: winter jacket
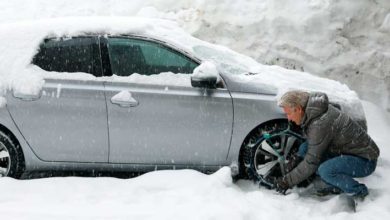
x=329 y=131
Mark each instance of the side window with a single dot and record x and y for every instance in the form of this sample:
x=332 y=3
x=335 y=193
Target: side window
x=69 y=55
x=128 y=56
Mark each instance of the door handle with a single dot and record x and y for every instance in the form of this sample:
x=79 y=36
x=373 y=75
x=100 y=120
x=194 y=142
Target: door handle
x=124 y=99
x=27 y=97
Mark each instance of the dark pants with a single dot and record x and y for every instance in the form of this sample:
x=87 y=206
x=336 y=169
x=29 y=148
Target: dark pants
x=340 y=170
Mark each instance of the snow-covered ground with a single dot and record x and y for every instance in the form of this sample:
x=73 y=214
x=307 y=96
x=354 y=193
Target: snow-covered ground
x=338 y=39
x=187 y=194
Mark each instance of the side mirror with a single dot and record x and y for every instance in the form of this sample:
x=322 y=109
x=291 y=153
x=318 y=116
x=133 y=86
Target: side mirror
x=209 y=82
x=205 y=76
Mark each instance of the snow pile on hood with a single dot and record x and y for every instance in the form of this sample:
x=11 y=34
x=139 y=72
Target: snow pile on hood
x=263 y=76
x=287 y=80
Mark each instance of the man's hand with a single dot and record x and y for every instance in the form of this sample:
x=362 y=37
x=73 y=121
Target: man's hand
x=280 y=184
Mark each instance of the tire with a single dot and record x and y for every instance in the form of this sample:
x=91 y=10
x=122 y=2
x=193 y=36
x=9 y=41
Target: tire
x=259 y=159
x=12 y=162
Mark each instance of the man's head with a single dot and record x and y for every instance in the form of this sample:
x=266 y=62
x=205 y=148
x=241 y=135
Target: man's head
x=294 y=104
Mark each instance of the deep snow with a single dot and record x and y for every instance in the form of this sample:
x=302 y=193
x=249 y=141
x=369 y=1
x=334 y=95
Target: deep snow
x=334 y=38
x=188 y=194
x=23 y=39
x=343 y=40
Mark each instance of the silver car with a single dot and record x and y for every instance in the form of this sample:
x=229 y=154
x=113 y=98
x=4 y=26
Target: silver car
x=109 y=123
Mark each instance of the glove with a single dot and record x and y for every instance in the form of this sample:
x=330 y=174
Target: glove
x=281 y=185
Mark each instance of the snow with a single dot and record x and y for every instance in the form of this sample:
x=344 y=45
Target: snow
x=3 y=102
x=123 y=97
x=59 y=87
x=25 y=84
x=4 y=154
x=344 y=40
x=385 y=27
x=286 y=80
x=23 y=39
x=188 y=194
x=166 y=78
x=206 y=69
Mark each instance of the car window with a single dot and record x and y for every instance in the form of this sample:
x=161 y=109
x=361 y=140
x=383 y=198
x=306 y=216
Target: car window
x=128 y=56
x=69 y=55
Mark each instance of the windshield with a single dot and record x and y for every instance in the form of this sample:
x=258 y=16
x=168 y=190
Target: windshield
x=227 y=60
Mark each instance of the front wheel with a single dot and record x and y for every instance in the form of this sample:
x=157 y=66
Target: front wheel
x=11 y=157
x=268 y=148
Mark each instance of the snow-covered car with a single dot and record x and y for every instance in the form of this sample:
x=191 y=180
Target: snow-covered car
x=136 y=94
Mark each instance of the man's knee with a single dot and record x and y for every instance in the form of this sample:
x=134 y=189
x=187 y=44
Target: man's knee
x=324 y=171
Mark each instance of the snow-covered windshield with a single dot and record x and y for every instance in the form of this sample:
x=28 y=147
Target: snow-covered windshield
x=224 y=59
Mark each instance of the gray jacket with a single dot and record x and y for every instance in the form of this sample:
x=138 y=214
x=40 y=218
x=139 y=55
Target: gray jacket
x=329 y=131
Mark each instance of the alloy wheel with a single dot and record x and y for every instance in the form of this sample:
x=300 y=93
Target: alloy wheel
x=272 y=154
x=5 y=161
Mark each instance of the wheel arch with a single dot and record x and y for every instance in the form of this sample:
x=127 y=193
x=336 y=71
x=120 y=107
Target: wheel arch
x=10 y=134
x=13 y=145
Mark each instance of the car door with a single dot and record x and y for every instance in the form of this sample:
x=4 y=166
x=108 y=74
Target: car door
x=67 y=120
x=158 y=118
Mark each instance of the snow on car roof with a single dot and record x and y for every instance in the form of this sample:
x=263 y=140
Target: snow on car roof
x=26 y=36
x=20 y=42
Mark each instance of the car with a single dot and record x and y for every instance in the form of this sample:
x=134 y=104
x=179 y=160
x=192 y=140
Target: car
x=135 y=95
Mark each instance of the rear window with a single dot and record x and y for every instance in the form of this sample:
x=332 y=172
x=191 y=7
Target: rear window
x=69 y=55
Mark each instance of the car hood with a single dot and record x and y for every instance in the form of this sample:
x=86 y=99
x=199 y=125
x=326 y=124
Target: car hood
x=236 y=84
x=275 y=80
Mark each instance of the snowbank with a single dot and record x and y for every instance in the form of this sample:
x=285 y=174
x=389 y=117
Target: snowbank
x=343 y=40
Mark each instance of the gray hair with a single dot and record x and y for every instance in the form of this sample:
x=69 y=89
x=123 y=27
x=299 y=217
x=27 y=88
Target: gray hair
x=294 y=98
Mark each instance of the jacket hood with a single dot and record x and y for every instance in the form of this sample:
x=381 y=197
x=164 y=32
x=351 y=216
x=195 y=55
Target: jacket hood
x=316 y=106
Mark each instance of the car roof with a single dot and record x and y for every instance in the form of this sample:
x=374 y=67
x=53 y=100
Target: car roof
x=23 y=38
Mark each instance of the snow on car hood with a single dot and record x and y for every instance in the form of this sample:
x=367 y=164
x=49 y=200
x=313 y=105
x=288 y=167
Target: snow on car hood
x=20 y=42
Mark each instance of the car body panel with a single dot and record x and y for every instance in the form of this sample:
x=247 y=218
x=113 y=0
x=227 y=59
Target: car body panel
x=248 y=87
x=7 y=123
x=250 y=111
x=170 y=125
x=68 y=122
